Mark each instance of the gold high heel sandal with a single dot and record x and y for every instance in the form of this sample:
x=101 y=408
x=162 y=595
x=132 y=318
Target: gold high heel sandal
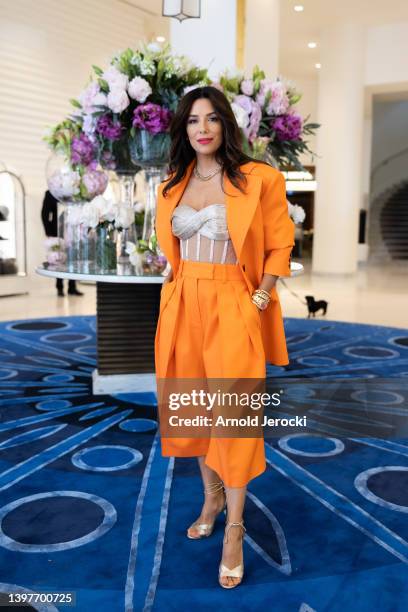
x=236 y=572
x=206 y=529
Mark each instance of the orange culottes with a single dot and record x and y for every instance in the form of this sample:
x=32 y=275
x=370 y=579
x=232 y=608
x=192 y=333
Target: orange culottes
x=208 y=327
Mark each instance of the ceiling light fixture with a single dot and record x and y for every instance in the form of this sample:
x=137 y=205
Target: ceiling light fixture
x=182 y=9
x=318 y=65
x=160 y=38
x=298 y=8
x=312 y=45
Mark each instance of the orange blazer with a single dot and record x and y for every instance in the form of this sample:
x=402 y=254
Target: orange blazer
x=262 y=234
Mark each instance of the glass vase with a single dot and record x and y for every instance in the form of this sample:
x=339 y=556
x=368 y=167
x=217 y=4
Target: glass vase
x=87 y=258
x=126 y=199
x=105 y=250
x=151 y=151
x=147 y=149
x=70 y=230
x=119 y=159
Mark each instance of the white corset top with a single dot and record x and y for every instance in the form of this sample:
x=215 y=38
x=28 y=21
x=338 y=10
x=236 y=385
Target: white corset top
x=203 y=234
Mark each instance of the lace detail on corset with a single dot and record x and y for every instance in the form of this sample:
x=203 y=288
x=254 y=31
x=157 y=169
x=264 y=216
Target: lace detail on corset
x=203 y=234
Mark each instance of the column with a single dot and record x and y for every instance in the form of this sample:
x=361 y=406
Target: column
x=339 y=146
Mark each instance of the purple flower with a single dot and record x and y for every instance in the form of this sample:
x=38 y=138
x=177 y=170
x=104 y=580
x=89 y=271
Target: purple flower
x=82 y=150
x=152 y=117
x=95 y=182
x=108 y=160
x=287 y=127
x=107 y=128
x=254 y=121
x=245 y=102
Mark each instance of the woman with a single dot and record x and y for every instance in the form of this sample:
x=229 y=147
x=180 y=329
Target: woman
x=222 y=222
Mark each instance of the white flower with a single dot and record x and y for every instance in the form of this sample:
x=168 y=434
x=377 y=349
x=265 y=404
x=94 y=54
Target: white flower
x=89 y=124
x=124 y=216
x=247 y=87
x=74 y=214
x=109 y=214
x=182 y=64
x=118 y=100
x=241 y=115
x=90 y=215
x=105 y=208
x=115 y=78
x=91 y=97
x=134 y=256
x=64 y=183
x=296 y=212
x=147 y=66
x=130 y=247
x=139 y=207
x=139 y=89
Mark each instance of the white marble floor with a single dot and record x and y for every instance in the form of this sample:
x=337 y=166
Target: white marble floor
x=375 y=294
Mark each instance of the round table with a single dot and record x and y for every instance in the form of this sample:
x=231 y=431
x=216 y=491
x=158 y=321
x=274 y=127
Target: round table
x=127 y=309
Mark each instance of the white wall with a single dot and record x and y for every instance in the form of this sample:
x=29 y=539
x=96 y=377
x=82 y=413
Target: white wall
x=386 y=54
x=210 y=40
x=47 y=48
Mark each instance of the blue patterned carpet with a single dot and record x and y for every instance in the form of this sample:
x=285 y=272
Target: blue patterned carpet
x=89 y=505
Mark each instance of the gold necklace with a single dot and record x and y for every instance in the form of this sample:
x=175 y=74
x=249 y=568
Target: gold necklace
x=201 y=177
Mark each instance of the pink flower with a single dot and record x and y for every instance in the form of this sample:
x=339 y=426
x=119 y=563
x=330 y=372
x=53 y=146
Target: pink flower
x=95 y=182
x=139 y=89
x=118 y=100
x=279 y=102
x=91 y=97
x=247 y=87
x=254 y=121
x=115 y=78
x=244 y=102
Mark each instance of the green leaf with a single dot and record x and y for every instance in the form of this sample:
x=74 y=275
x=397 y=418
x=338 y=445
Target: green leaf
x=97 y=70
x=103 y=85
x=75 y=103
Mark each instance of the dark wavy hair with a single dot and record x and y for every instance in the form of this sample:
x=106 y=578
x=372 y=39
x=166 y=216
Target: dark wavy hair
x=229 y=155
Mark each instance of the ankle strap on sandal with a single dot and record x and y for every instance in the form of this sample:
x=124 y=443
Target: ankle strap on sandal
x=214 y=487
x=228 y=525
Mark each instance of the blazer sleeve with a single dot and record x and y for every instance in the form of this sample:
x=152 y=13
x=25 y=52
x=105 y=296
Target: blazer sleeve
x=279 y=229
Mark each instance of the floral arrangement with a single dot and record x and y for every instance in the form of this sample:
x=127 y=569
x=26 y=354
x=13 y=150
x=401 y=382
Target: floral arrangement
x=73 y=173
x=146 y=256
x=102 y=212
x=264 y=109
x=55 y=251
x=139 y=90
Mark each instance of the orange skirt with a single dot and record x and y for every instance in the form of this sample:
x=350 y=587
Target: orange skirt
x=208 y=327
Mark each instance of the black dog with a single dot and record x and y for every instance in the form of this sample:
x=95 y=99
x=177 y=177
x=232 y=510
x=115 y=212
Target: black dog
x=314 y=306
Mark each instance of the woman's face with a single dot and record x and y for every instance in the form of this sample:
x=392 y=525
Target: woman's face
x=204 y=127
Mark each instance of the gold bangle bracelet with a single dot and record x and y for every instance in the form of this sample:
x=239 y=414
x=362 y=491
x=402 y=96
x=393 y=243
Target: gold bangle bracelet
x=263 y=292
x=258 y=300
x=262 y=296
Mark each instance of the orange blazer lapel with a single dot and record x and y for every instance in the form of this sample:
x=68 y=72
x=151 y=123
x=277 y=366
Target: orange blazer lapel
x=240 y=211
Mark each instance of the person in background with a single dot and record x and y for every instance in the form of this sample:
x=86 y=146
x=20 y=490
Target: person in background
x=50 y=221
